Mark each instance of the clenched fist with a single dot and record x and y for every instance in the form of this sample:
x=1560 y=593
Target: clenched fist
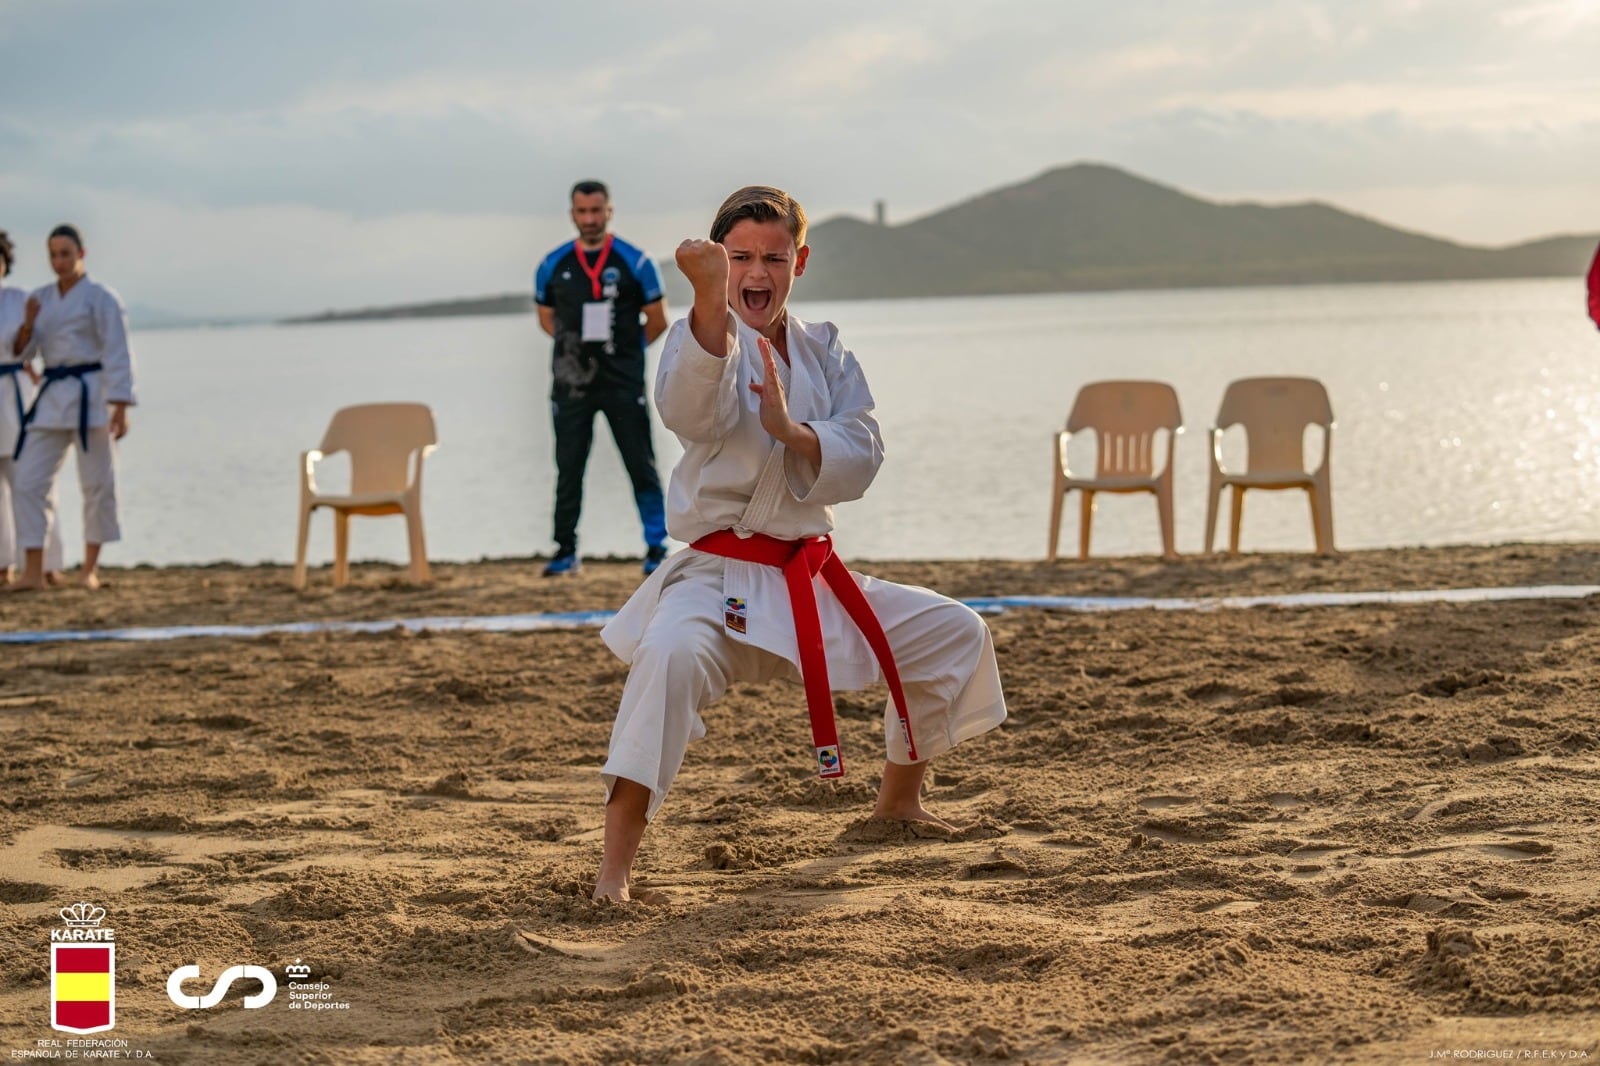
x=705 y=264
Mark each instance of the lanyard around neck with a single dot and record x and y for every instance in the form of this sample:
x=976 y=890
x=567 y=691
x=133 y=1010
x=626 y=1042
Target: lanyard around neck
x=599 y=263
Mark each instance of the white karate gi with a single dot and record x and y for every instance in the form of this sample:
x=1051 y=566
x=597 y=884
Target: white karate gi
x=87 y=325
x=16 y=393
x=672 y=630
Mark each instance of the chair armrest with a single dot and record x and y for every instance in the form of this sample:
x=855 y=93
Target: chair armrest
x=1062 y=438
x=308 y=480
x=1216 y=448
x=416 y=465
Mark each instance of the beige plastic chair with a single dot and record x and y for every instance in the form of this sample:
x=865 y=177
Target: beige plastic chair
x=381 y=438
x=1274 y=413
x=1125 y=417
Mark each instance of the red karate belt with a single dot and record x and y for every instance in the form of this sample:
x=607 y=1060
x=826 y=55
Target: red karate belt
x=1594 y=288
x=802 y=561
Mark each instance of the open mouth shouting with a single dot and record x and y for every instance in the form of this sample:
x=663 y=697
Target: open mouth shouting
x=763 y=262
x=756 y=299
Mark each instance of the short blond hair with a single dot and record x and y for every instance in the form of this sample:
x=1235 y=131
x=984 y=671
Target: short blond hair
x=760 y=203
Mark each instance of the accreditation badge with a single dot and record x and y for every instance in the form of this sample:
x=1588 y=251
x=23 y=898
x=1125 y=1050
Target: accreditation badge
x=597 y=321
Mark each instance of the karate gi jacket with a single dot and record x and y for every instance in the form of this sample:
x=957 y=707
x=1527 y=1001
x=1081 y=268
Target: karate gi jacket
x=87 y=325
x=725 y=480
x=13 y=312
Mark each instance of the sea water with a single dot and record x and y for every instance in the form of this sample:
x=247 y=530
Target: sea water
x=1466 y=413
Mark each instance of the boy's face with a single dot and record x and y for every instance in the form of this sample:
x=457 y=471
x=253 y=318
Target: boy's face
x=762 y=265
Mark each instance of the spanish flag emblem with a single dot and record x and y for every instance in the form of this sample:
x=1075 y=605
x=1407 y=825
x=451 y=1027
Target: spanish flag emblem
x=83 y=994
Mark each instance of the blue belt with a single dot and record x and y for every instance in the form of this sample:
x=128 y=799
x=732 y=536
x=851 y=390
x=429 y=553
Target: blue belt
x=53 y=374
x=11 y=370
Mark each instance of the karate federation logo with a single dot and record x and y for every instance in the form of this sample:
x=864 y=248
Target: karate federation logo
x=734 y=612
x=828 y=761
x=83 y=972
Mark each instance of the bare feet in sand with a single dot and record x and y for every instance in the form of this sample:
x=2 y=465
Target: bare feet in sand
x=624 y=893
x=54 y=579
x=616 y=893
x=914 y=813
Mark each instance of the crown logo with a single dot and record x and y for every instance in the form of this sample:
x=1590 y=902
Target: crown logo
x=297 y=970
x=82 y=915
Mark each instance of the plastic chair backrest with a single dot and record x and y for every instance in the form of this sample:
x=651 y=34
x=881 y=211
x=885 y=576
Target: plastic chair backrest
x=1275 y=413
x=380 y=438
x=1125 y=416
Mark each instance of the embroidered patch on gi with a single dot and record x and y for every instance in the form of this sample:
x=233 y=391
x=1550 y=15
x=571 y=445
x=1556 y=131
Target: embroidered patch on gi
x=734 y=612
x=828 y=761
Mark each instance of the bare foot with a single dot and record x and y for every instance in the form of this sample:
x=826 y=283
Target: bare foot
x=25 y=586
x=898 y=831
x=91 y=580
x=914 y=813
x=615 y=892
x=54 y=577
x=625 y=893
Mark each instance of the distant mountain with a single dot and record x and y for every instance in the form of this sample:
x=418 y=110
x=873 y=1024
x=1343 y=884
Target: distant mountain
x=1090 y=226
x=1093 y=227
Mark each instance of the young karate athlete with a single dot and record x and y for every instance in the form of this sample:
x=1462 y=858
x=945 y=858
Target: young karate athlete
x=776 y=422
x=80 y=330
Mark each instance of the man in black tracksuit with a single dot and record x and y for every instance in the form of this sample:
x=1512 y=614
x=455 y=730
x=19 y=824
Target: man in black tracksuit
x=600 y=298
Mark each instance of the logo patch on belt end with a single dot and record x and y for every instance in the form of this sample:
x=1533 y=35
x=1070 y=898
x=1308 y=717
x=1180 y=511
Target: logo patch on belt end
x=828 y=764
x=734 y=613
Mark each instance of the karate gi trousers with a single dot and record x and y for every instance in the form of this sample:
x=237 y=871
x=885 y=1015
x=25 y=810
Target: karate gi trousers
x=10 y=555
x=686 y=660
x=35 y=477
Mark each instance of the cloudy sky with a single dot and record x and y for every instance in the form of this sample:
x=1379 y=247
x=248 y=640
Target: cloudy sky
x=289 y=156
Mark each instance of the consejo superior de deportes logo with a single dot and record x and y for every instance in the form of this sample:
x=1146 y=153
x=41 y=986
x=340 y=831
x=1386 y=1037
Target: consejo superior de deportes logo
x=219 y=989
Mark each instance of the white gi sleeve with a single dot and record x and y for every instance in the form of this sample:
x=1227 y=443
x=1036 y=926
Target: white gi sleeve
x=34 y=348
x=852 y=445
x=111 y=325
x=697 y=393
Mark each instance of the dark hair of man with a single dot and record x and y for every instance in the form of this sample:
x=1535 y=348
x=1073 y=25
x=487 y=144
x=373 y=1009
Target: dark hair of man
x=8 y=251
x=760 y=203
x=70 y=232
x=589 y=187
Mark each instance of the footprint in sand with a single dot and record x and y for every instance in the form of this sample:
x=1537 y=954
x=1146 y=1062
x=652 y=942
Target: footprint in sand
x=600 y=951
x=1228 y=906
x=1160 y=803
x=1214 y=692
x=998 y=866
x=894 y=831
x=1450 y=902
x=1517 y=849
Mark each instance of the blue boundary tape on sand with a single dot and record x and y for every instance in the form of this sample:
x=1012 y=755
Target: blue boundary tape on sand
x=502 y=623
x=1288 y=599
x=528 y=623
